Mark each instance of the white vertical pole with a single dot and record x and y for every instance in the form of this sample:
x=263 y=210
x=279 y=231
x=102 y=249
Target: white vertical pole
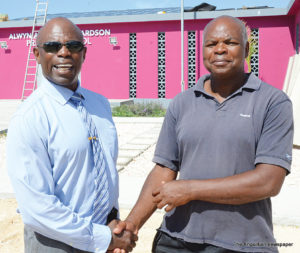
x=182 y=45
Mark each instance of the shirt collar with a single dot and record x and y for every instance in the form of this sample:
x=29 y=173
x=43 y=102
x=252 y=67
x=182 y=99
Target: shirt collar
x=252 y=83
x=80 y=91
x=60 y=93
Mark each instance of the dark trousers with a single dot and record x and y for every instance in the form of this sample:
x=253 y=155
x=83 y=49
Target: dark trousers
x=163 y=243
x=37 y=243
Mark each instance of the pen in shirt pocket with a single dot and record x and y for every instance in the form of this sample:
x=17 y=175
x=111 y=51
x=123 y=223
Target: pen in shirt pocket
x=92 y=138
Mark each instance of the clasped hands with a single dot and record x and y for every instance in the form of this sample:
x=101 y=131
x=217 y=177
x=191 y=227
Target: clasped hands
x=124 y=236
x=169 y=195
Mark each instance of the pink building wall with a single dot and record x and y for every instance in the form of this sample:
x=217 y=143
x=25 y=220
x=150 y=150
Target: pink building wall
x=147 y=65
x=173 y=71
x=275 y=47
x=12 y=64
x=273 y=65
x=106 y=67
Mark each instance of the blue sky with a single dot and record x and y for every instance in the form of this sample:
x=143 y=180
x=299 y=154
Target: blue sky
x=25 y=8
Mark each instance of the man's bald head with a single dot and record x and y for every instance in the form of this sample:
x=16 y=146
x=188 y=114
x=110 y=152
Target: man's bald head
x=60 y=51
x=225 y=47
x=59 y=21
x=225 y=18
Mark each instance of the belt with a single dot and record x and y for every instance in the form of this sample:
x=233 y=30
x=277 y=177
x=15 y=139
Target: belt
x=112 y=215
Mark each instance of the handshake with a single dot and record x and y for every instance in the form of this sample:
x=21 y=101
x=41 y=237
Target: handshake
x=124 y=236
x=166 y=194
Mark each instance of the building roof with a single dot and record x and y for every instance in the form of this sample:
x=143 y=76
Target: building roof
x=110 y=13
x=153 y=14
x=293 y=7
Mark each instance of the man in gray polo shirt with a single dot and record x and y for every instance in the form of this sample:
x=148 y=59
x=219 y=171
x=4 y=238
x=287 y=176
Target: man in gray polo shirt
x=224 y=149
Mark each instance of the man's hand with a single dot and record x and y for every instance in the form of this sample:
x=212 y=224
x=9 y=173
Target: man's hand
x=123 y=241
x=174 y=193
x=120 y=227
x=125 y=225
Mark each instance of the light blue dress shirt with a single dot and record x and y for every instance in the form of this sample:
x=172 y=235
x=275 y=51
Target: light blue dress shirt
x=50 y=164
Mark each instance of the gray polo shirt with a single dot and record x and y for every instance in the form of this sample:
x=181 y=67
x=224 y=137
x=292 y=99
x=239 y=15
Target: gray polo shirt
x=203 y=139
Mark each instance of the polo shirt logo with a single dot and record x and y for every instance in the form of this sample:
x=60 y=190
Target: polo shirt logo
x=245 y=115
x=288 y=157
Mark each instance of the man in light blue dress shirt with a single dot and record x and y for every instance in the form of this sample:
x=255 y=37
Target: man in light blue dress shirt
x=50 y=159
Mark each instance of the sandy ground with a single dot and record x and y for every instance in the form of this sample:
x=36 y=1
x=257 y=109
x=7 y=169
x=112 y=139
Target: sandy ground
x=11 y=226
x=11 y=231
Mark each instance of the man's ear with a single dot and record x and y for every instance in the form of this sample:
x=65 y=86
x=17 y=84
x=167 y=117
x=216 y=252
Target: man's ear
x=37 y=54
x=247 y=49
x=84 y=53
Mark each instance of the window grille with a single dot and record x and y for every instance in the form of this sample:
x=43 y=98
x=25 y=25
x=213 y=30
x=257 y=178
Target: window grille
x=254 y=61
x=161 y=65
x=132 y=65
x=191 y=58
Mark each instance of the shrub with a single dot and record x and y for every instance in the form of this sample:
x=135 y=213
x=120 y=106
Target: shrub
x=139 y=110
x=3 y=134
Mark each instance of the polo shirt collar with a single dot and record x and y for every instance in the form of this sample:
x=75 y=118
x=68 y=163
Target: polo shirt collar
x=253 y=83
x=60 y=93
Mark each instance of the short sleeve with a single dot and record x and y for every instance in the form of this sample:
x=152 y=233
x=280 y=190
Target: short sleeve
x=276 y=141
x=166 y=152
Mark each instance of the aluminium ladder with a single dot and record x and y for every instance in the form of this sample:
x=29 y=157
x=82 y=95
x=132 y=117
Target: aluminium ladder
x=32 y=66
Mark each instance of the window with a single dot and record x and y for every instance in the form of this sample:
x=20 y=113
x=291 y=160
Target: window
x=161 y=65
x=132 y=65
x=191 y=58
x=254 y=43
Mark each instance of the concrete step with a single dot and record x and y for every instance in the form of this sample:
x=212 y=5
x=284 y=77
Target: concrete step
x=119 y=102
x=120 y=168
x=157 y=121
x=135 y=146
x=123 y=161
x=147 y=136
x=129 y=153
x=142 y=141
